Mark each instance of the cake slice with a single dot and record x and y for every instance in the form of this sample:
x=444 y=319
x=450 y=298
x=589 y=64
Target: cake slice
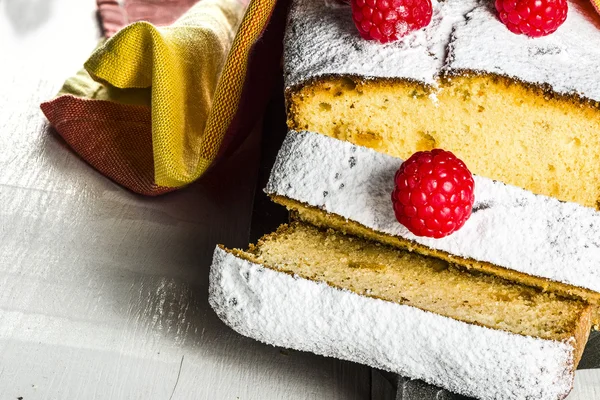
x=345 y=297
x=520 y=110
x=512 y=233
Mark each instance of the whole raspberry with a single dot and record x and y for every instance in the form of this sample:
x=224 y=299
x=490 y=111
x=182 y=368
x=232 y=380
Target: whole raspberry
x=389 y=20
x=534 y=18
x=433 y=195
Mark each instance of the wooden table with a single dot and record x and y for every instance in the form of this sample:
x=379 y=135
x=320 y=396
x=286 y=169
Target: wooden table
x=104 y=293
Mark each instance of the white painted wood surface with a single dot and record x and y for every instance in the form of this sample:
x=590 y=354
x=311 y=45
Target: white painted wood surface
x=103 y=294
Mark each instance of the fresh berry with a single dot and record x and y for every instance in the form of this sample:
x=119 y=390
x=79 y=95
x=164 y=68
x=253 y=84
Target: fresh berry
x=389 y=20
x=433 y=194
x=533 y=18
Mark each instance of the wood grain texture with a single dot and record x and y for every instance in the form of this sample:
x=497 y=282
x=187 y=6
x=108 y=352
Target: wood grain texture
x=104 y=293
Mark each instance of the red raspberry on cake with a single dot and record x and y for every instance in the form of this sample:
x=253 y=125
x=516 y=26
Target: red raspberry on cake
x=533 y=18
x=389 y=20
x=433 y=194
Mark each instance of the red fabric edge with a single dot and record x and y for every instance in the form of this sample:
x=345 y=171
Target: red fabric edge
x=124 y=156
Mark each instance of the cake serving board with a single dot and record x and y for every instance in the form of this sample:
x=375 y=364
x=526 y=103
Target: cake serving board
x=412 y=389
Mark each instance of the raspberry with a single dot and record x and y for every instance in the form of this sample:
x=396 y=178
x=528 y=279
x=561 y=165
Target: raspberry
x=534 y=18
x=433 y=195
x=389 y=20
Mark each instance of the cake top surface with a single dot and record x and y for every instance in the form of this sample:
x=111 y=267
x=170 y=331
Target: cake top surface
x=462 y=35
x=509 y=227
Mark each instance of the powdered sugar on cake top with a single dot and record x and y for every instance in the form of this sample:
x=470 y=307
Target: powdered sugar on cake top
x=567 y=60
x=321 y=40
x=463 y=35
x=510 y=227
x=283 y=310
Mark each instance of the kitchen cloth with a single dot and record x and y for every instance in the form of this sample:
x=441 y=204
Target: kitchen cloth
x=155 y=107
x=596 y=4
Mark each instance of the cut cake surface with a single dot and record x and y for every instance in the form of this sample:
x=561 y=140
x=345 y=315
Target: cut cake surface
x=342 y=296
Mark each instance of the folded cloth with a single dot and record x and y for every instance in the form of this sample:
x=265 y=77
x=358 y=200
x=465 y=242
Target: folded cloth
x=115 y=14
x=596 y=4
x=156 y=106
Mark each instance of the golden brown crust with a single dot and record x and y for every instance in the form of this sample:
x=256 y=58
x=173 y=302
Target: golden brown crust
x=582 y=331
x=544 y=90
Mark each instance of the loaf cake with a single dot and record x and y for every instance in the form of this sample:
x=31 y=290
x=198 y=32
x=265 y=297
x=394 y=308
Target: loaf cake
x=519 y=110
x=345 y=297
x=512 y=233
x=500 y=308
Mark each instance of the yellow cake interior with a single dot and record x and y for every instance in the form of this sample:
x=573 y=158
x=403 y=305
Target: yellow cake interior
x=317 y=217
x=501 y=129
x=376 y=270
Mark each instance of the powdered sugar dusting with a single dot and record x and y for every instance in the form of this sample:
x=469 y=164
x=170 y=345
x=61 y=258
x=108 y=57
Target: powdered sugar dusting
x=462 y=35
x=563 y=60
x=283 y=310
x=510 y=227
x=322 y=40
